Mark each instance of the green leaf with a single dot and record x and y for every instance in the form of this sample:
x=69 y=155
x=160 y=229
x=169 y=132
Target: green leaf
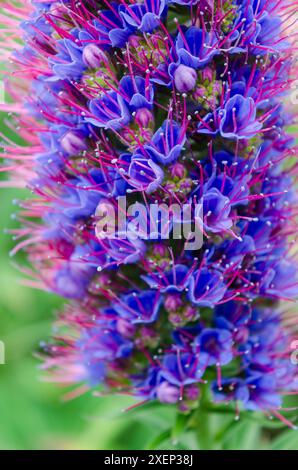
x=179 y=427
x=160 y=439
x=288 y=440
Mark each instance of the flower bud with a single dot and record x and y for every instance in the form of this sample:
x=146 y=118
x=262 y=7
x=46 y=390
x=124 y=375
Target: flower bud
x=185 y=78
x=167 y=393
x=192 y=392
x=125 y=328
x=207 y=74
x=134 y=40
x=178 y=171
x=73 y=142
x=160 y=250
x=173 y=303
x=144 y=117
x=93 y=56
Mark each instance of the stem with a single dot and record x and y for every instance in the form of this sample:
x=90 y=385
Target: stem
x=202 y=423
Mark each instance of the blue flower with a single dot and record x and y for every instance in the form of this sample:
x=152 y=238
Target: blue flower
x=263 y=392
x=236 y=250
x=112 y=32
x=167 y=143
x=144 y=16
x=108 y=112
x=68 y=63
x=238 y=119
x=173 y=280
x=258 y=28
x=216 y=211
x=235 y=317
x=181 y=369
x=214 y=346
x=72 y=279
x=233 y=389
x=194 y=48
x=99 y=345
x=123 y=249
x=278 y=279
x=144 y=174
x=206 y=288
x=140 y=307
x=136 y=93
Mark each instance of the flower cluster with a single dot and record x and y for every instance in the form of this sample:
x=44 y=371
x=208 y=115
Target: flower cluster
x=169 y=101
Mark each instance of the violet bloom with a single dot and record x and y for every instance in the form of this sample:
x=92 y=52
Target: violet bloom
x=181 y=369
x=214 y=346
x=144 y=16
x=73 y=142
x=167 y=143
x=108 y=111
x=111 y=29
x=136 y=93
x=139 y=307
x=238 y=119
x=167 y=393
x=68 y=63
x=173 y=280
x=195 y=48
x=216 y=211
x=185 y=78
x=206 y=288
x=144 y=174
x=112 y=346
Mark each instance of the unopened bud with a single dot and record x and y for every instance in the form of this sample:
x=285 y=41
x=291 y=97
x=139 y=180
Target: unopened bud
x=185 y=78
x=93 y=56
x=144 y=117
x=73 y=142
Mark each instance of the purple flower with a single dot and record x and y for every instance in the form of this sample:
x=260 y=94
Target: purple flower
x=185 y=78
x=139 y=307
x=206 y=288
x=195 y=48
x=123 y=249
x=235 y=317
x=144 y=174
x=136 y=93
x=181 y=369
x=216 y=211
x=73 y=142
x=167 y=393
x=100 y=345
x=238 y=119
x=68 y=63
x=167 y=143
x=145 y=16
x=278 y=279
x=233 y=389
x=111 y=29
x=108 y=111
x=93 y=56
x=214 y=347
x=173 y=280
